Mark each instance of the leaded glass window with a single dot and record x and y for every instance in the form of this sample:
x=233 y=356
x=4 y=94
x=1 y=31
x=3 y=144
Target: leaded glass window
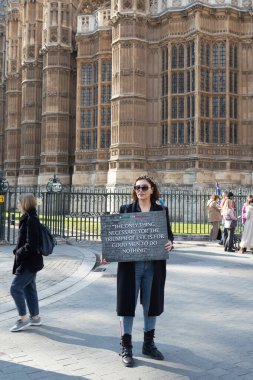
x=89 y=101
x=181 y=82
x=174 y=83
x=174 y=108
x=105 y=138
x=202 y=131
x=222 y=133
x=86 y=96
x=165 y=59
x=215 y=132
x=174 y=57
x=164 y=133
x=106 y=72
x=215 y=56
x=164 y=108
x=174 y=133
x=207 y=132
x=181 y=56
x=164 y=84
x=180 y=133
x=86 y=75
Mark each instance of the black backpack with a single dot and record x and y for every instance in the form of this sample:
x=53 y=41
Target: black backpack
x=47 y=241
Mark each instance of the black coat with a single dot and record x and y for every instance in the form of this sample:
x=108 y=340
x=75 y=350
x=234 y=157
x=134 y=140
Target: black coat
x=26 y=255
x=126 y=276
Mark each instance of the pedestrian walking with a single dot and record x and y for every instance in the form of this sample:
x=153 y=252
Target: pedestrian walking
x=247 y=235
x=214 y=215
x=230 y=222
x=146 y=277
x=225 y=195
x=27 y=263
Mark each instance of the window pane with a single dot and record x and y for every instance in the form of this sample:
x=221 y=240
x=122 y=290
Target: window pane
x=222 y=55
x=174 y=57
x=222 y=83
x=215 y=132
x=174 y=83
x=222 y=106
x=181 y=82
x=215 y=106
x=174 y=107
x=174 y=133
x=181 y=133
x=215 y=56
x=181 y=56
x=222 y=133
x=181 y=107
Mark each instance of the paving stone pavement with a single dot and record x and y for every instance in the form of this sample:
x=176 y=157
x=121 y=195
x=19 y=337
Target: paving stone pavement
x=205 y=333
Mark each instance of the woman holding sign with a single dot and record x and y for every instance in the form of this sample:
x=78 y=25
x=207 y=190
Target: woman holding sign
x=146 y=277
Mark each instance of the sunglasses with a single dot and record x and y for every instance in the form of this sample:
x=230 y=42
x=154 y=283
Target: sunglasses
x=143 y=187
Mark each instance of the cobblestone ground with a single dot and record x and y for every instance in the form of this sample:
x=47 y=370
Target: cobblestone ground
x=205 y=332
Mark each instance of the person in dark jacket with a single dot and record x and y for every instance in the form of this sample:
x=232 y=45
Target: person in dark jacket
x=27 y=263
x=148 y=277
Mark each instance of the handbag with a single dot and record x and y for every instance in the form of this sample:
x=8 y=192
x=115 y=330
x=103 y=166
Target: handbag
x=230 y=223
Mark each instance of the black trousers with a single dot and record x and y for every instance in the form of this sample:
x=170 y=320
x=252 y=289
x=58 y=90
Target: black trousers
x=229 y=241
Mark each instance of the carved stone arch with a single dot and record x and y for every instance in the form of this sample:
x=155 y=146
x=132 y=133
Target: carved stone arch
x=89 y=6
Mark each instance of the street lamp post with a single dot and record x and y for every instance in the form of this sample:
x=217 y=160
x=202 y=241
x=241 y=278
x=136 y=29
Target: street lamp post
x=54 y=185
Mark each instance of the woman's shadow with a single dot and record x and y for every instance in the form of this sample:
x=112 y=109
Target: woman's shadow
x=173 y=355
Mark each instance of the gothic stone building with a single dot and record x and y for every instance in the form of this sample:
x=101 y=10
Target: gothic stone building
x=99 y=92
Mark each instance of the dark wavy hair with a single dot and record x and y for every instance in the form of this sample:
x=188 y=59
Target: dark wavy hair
x=156 y=194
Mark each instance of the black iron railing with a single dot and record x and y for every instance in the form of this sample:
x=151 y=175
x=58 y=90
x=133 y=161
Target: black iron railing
x=77 y=214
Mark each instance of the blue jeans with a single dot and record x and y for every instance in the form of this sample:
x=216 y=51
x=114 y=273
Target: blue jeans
x=144 y=271
x=23 y=291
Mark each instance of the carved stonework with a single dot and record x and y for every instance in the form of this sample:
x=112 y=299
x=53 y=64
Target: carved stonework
x=65 y=36
x=127 y=4
x=53 y=35
x=116 y=6
x=176 y=3
x=125 y=152
x=141 y=5
x=161 y=120
x=31 y=52
x=153 y=4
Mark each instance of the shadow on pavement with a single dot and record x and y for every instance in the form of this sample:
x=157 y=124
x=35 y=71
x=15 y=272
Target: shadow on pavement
x=16 y=370
x=175 y=357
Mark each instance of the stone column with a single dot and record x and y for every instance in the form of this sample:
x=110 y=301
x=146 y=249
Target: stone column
x=56 y=96
x=13 y=93
x=2 y=90
x=31 y=93
x=129 y=91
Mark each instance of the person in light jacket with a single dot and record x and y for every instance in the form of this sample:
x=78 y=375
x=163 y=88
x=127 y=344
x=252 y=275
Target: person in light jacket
x=214 y=215
x=27 y=263
x=247 y=235
x=244 y=208
x=148 y=277
x=228 y=214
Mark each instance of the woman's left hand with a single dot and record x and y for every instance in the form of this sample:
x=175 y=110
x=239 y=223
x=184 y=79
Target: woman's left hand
x=169 y=246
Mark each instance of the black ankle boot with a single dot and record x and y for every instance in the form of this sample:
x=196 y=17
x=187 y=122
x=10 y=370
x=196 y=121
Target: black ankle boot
x=149 y=347
x=127 y=355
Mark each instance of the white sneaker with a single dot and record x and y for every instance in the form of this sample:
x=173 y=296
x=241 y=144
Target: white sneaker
x=20 y=325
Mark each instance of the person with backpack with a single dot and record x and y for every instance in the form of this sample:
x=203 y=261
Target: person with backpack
x=27 y=262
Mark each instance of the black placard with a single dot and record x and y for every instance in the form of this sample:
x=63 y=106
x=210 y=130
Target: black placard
x=137 y=236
